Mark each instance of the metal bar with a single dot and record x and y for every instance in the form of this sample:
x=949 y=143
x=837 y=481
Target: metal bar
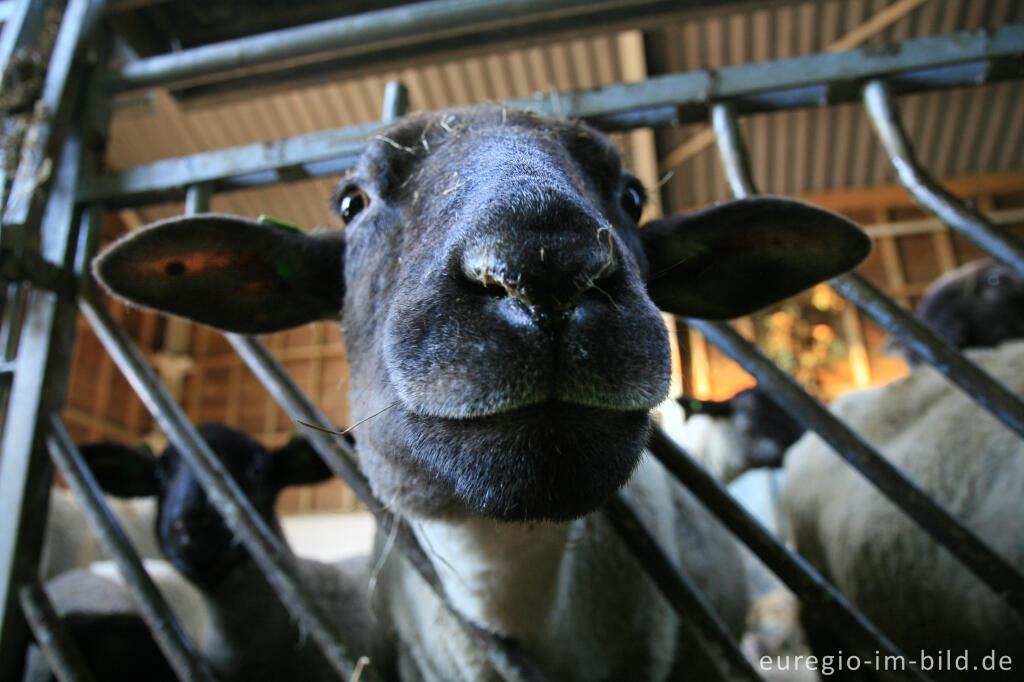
x=934 y=519
x=926 y=191
x=507 y=660
x=12 y=317
x=933 y=349
x=197 y=199
x=335 y=151
x=663 y=100
x=924 y=343
x=812 y=589
x=396 y=101
x=22 y=23
x=267 y=549
x=375 y=33
x=182 y=656
x=65 y=658
x=719 y=647
x=943 y=527
x=50 y=118
x=38 y=388
x=735 y=160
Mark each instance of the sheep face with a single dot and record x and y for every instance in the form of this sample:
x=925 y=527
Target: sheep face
x=499 y=300
x=506 y=314
x=191 y=532
x=979 y=304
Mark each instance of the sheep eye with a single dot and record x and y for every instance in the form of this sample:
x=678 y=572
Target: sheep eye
x=350 y=202
x=995 y=280
x=633 y=203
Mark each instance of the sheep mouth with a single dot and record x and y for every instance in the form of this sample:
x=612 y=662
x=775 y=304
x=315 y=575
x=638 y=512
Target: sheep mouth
x=552 y=460
x=540 y=402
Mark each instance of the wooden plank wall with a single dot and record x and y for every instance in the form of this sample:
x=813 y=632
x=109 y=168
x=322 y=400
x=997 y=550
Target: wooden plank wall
x=910 y=252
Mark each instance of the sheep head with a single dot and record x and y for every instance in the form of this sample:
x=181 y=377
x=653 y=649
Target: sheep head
x=497 y=292
x=190 y=530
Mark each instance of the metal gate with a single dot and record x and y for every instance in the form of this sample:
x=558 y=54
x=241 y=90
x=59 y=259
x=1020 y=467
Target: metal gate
x=51 y=216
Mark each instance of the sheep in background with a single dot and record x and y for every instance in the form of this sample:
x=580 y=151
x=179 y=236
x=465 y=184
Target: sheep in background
x=240 y=625
x=101 y=615
x=491 y=285
x=917 y=593
x=730 y=437
x=69 y=542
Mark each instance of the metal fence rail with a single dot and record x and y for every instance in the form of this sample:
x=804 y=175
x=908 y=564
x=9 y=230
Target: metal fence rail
x=671 y=99
x=944 y=528
x=152 y=607
x=807 y=81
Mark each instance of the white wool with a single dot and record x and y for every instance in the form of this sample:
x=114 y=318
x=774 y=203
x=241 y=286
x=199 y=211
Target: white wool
x=970 y=462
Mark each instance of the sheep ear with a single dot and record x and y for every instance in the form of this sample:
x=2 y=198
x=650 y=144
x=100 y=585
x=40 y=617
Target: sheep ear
x=122 y=470
x=739 y=256
x=297 y=463
x=228 y=272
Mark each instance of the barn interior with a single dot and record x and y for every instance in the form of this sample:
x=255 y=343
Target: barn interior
x=967 y=132
x=827 y=155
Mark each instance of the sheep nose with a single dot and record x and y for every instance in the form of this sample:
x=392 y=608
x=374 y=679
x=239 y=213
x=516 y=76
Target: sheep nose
x=549 y=277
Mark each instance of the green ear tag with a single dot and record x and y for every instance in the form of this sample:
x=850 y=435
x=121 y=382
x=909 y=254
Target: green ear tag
x=144 y=446
x=267 y=220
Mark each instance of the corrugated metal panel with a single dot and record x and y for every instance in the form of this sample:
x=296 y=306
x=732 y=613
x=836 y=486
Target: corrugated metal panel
x=161 y=127
x=957 y=132
x=971 y=131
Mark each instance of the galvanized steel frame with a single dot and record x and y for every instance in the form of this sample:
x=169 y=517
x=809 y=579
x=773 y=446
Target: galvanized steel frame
x=927 y=63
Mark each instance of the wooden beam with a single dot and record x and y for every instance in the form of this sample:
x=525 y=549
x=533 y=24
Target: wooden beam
x=857 y=354
x=936 y=227
x=104 y=427
x=865 y=31
x=644 y=152
x=891 y=260
x=700 y=366
x=895 y=196
x=875 y=25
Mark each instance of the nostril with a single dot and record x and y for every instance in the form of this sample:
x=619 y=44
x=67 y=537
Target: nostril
x=489 y=287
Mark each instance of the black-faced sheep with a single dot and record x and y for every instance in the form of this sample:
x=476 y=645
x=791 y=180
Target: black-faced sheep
x=730 y=437
x=917 y=593
x=241 y=626
x=491 y=282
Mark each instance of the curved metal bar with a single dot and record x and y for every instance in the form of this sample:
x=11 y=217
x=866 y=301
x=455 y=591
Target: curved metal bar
x=791 y=568
x=943 y=527
x=926 y=191
x=731 y=149
x=65 y=658
x=266 y=548
x=153 y=608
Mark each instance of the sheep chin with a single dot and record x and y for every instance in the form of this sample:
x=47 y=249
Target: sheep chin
x=550 y=461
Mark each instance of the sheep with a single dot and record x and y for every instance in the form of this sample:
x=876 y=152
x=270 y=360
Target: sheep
x=241 y=626
x=102 y=617
x=490 y=280
x=69 y=543
x=917 y=593
x=730 y=437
